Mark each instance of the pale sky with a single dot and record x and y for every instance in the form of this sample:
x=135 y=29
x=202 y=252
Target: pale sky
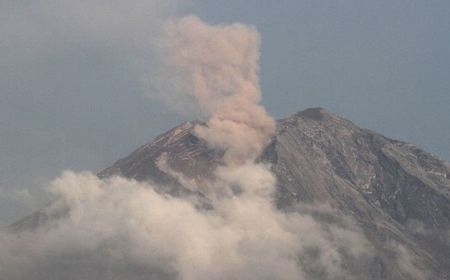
x=72 y=96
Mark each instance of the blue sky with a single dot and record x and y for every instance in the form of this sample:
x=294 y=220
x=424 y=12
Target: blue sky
x=71 y=94
x=383 y=64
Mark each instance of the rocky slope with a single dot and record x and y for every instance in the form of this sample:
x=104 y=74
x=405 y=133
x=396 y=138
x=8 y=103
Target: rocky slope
x=396 y=193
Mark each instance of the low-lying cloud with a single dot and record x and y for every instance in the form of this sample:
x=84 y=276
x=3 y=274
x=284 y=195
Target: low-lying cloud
x=118 y=228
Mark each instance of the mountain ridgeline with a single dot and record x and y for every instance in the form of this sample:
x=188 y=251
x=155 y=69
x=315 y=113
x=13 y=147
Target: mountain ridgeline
x=397 y=194
x=394 y=191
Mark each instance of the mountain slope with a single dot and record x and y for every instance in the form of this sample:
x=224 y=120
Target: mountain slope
x=396 y=193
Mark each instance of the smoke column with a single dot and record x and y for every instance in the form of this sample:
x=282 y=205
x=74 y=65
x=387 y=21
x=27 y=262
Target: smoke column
x=219 y=67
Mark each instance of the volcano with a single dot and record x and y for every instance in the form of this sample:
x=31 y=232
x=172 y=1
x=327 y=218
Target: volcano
x=394 y=191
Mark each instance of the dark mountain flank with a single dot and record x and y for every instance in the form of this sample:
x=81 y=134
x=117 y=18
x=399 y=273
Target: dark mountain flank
x=396 y=193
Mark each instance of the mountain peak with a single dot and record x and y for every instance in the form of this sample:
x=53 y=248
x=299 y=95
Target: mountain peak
x=320 y=118
x=317 y=156
x=317 y=113
x=394 y=191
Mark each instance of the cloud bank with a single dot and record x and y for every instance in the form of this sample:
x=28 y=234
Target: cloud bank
x=118 y=228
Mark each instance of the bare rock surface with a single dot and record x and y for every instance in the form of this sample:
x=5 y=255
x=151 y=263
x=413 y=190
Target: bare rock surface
x=396 y=193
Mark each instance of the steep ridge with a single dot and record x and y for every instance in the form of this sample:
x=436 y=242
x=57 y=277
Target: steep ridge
x=396 y=193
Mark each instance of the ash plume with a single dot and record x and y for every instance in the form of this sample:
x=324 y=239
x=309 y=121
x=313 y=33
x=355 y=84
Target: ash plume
x=219 y=67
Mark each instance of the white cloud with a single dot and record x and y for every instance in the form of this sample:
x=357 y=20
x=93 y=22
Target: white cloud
x=123 y=227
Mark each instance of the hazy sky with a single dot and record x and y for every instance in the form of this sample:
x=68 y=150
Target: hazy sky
x=72 y=72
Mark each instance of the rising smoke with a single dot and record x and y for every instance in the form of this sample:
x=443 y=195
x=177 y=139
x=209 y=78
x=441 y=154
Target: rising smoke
x=219 y=65
x=122 y=229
